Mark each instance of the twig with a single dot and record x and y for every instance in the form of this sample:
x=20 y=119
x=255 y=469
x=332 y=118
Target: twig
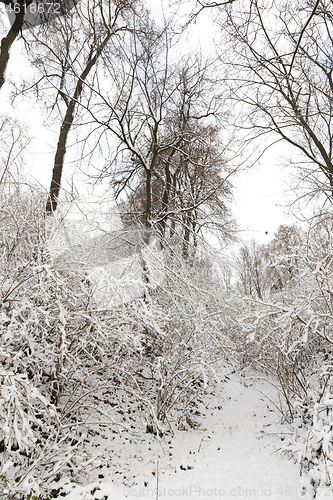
x=327 y=470
x=200 y=444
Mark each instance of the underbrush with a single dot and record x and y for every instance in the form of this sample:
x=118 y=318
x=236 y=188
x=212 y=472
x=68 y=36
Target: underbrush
x=66 y=364
x=289 y=338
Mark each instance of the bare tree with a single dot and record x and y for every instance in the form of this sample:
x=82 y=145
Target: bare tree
x=14 y=142
x=200 y=6
x=191 y=187
x=281 y=256
x=66 y=53
x=25 y=14
x=250 y=271
x=135 y=115
x=8 y=40
x=170 y=159
x=281 y=71
x=264 y=269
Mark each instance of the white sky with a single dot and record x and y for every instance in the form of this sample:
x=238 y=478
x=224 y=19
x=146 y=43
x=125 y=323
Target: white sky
x=260 y=198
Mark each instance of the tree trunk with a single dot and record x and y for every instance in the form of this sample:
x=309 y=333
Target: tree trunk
x=186 y=237
x=8 y=40
x=148 y=199
x=52 y=201
x=165 y=198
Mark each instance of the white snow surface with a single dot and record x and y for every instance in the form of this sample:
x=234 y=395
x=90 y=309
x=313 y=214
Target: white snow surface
x=233 y=452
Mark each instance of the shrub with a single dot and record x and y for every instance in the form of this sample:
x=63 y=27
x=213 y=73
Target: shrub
x=64 y=362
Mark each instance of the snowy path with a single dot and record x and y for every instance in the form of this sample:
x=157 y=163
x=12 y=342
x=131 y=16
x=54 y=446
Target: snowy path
x=229 y=455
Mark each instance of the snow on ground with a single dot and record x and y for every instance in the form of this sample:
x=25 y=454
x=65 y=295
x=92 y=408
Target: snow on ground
x=233 y=452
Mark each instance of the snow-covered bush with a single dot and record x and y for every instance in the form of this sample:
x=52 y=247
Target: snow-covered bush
x=287 y=331
x=29 y=435
x=313 y=441
x=65 y=364
x=190 y=315
x=167 y=343
x=39 y=339
x=289 y=336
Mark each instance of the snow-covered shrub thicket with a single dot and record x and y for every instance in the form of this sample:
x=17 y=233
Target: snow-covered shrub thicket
x=290 y=336
x=40 y=340
x=65 y=364
x=192 y=335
